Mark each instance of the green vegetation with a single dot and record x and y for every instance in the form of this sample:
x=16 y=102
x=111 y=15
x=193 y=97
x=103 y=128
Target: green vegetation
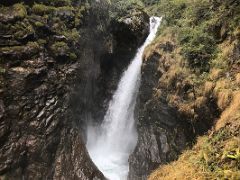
x=54 y=24
x=2 y=70
x=120 y=8
x=72 y=35
x=199 y=26
x=21 y=29
x=42 y=9
x=198 y=48
x=62 y=49
x=20 y=10
x=59 y=48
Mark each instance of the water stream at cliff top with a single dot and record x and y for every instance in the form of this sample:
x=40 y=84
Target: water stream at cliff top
x=111 y=144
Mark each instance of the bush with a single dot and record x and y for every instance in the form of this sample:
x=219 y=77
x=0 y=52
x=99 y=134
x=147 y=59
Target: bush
x=120 y=8
x=198 y=48
x=172 y=10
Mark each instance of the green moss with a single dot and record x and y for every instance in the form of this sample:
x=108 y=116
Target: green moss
x=7 y=50
x=79 y=15
x=65 y=8
x=20 y=49
x=42 y=41
x=42 y=9
x=2 y=70
x=39 y=24
x=21 y=29
x=60 y=48
x=120 y=8
x=72 y=56
x=72 y=35
x=33 y=45
x=58 y=3
x=20 y=9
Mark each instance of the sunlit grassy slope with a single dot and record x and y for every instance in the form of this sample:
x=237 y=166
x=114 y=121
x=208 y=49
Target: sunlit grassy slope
x=201 y=79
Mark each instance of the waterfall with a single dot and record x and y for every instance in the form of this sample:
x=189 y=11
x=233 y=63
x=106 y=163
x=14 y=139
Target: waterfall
x=111 y=144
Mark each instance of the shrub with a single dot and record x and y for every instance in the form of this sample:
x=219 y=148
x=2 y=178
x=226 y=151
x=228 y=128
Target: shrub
x=198 y=47
x=120 y=8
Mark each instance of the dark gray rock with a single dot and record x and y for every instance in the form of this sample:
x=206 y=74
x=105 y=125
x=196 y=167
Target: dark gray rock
x=40 y=133
x=161 y=134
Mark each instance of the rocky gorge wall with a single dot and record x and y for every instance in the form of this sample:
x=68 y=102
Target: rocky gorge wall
x=59 y=66
x=190 y=87
x=162 y=132
x=45 y=52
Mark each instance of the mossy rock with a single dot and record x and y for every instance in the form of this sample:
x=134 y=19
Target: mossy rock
x=72 y=35
x=39 y=24
x=23 y=30
x=42 y=9
x=12 y=13
x=79 y=14
x=60 y=49
x=72 y=56
x=20 y=52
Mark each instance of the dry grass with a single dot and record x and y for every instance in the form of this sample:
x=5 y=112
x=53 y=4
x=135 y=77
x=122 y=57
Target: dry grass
x=177 y=171
x=221 y=85
x=213 y=157
x=225 y=49
x=231 y=114
x=154 y=47
x=170 y=78
x=224 y=98
x=187 y=109
x=208 y=88
x=200 y=102
x=216 y=74
x=185 y=168
x=237 y=78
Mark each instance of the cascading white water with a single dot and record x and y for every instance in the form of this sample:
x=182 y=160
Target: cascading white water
x=111 y=144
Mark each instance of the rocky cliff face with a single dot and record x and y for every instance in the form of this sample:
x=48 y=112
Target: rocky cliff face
x=161 y=130
x=129 y=31
x=58 y=70
x=50 y=55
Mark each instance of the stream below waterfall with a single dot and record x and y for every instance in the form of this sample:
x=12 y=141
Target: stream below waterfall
x=110 y=144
